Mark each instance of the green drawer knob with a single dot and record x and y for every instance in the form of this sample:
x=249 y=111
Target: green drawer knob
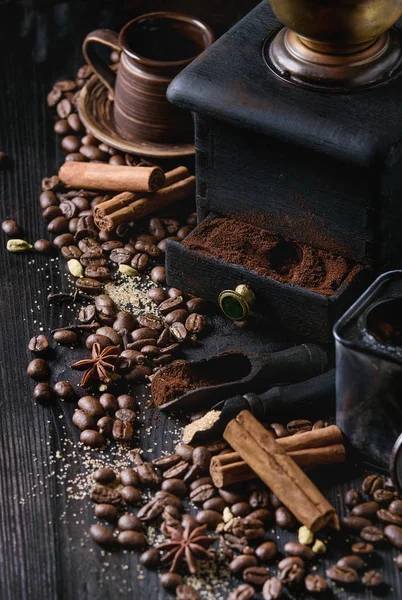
x=235 y=304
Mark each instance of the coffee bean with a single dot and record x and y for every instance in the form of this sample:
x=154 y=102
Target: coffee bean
x=65 y=337
x=108 y=403
x=256 y=575
x=108 y=512
x=372 y=534
x=196 y=305
x=51 y=212
x=202 y=458
x=393 y=533
x=91 y=406
x=372 y=483
x=138 y=374
x=272 y=589
x=177 y=471
x=100 y=273
x=396 y=507
x=232 y=494
x=45 y=247
x=383 y=496
x=352 y=498
x=210 y=518
x=342 y=574
x=93 y=153
x=301 y=550
x=175 y=486
x=195 y=323
x=145 y=334
x=140 y=261
x=372 y=579
x=50 y=184
x=398 y=561
x=242 y=592
x=386 y=516
x=104 y=475
x=125 y=414
x=83 y=421
x=156 y=228
x=130 y=523
x=105 y=495
x=92 y=438
x=64 y=108
x=266 y=551
x=353 y=561
x=279 y=430
x=39 y=345
x=64 y=390
x=240 y=563
x=176 y=316
x=315 y=584
x=240 y=509
x=284 y=518
x=70 y=143
x=178 y=331
x=94 y=338
x=110 y=333
x=292 y=576
x=125 y=322
x=117 y=159
x=105 y=426
x=47 y=199
x=199 y=482
x=11 y=228
x=150 y=351
x=132 y=540
x=150 y=321
x=53 y=97
x=355 y=524
x=131 y=495
x=262 y=514
x=170 y=580
x=121 y=256
x=38 y=369
x=186 y=592
x=90 y=246
x=150 y=558
x=43 y=392
x=88 y=285
x=251 y=529
x=70 y=252
x=75 y=157
x=299 y=426
x=122 y=431
x=215 y=504
x=58 y=225
x=101 y=535
x=319 y=425
x=158 y=275
x=171 y=304
x=185 y=451
x=202 y=493
x=259 y=499
x=362 y=548
x=367 y=509
x=156 y=294
x=75 y=122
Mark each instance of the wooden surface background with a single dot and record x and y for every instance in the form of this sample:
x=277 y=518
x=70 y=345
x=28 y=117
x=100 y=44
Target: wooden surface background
x=44 y=549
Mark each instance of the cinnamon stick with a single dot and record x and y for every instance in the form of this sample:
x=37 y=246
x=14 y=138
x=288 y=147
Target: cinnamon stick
x=227 y=469
x=110 y=206
x=148 y=205
x=279 y=472
x=113 y=178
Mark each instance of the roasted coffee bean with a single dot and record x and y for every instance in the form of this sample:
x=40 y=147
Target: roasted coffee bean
x=58 y=225
x=372 y=483
x=362 y=548
x=126 y=414
x=145 y=334
x=186 y=592
x=158 y=275
x=193 y=473
x=90 y=140
x=266 y=551
x=179 y=332
x=164 y=339
x=92 y=438
x=353 y=561
x=88 y=246
x=64 y=390
x=241 y=563
x=210 y=518
x=367 y=509
x=104 y=475
x=202 y=493
x=64 y=108
x=156 y=294
x=176 y=316
x=47 y=199
x=256 y=575
x=75 y=122
x=93 y=260
x=240 y=509
x=39 y=345
x=396 y=507
x=175 y=486
x=50 y=184
x=386 y=516
x=196 y=305
x=93 y=153
x=242 y=592
x=292 y=576
x=70 y=252
x=99 y=273
x=38 y=369
x=355 y=524
x=200 y=481
x=151 y=510
x=232 y=494
x=53 y=97
x=108 y=512
x=273 y=589
x=51 y=212
x=94 y=338
x=140 y=261
x=101 y=535
x=156 y=228
x=279 y=430
x=177 y=471
x=130 y=523
x=315 y=584
x=122 y=431
x=171 y=512
x=393 y=533
x=111 y=334
x=88 y=285
x=105 y=308
x=170 y=580
x=251 y=529
x=75 y=157
x=117 y=159
x=150 y=558
x=121 y=256
x=147 y=473
x=383 y=496
x=262 y=514
x=202 y=458
x=108 y=403
x=166 y=462
x=91 y=406
x=132 y=540
x=138 y=374
x=185 y=451
x=150 y=321
x=65 y=239
x=342 y=574
x=289 y=561
x=352 y=498
x=45 y=247
x=372 y=579
x=65 y=85
x=81 y=203
x=86 y=314
x=125 y=322
x=148 y=248
x=83 y=421
x=150 y=351
x=398 y=561
x=43 y=392
x=65 y=337
x=319 y=425
x=171 y=349
x=301 y=550
x=285 y=519
x=128 y=360
x=131 y=495
x=69 y=143
x=372 y=534
x=70 y=211
x=129 y=477
x=105 y=426
x=195 y=323
x=299 y=426
x=389 y=484
x=171 y=304
x=259 y=499
x=105 y=495
x=216 y=504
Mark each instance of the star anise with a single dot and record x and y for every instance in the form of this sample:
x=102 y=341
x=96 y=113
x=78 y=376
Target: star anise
x=188 y=545
x=100 y=367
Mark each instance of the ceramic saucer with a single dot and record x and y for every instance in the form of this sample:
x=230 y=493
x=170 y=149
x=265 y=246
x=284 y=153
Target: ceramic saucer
x=96 y=112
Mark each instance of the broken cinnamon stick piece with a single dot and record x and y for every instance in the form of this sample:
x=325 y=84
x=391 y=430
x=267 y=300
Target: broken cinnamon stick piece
x=148 y=205
x=279 y=472
x=113 y=178
x=122 y=200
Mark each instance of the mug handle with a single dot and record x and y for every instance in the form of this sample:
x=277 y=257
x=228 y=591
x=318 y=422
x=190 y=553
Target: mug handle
x=108 y=38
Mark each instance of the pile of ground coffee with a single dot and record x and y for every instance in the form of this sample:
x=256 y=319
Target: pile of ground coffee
x=268 y=254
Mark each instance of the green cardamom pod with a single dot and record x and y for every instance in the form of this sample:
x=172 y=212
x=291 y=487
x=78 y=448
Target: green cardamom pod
x=18 y=246
x=75 y=267
x=128 y=271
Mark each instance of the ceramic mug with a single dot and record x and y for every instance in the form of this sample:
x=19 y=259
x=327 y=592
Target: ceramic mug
x=154 y=49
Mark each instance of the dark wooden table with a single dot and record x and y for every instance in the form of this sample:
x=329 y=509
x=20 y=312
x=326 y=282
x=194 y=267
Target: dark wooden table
x=45 y=552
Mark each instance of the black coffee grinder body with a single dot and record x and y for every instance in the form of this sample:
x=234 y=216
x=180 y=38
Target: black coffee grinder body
x=317 y=167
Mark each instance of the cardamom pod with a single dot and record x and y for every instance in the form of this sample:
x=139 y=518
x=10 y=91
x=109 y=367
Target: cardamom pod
x=18 y=246
x=128 y=271
x=75 y=267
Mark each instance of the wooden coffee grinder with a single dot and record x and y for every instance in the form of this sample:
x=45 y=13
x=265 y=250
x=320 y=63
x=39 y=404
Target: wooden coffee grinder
x=298 y=129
